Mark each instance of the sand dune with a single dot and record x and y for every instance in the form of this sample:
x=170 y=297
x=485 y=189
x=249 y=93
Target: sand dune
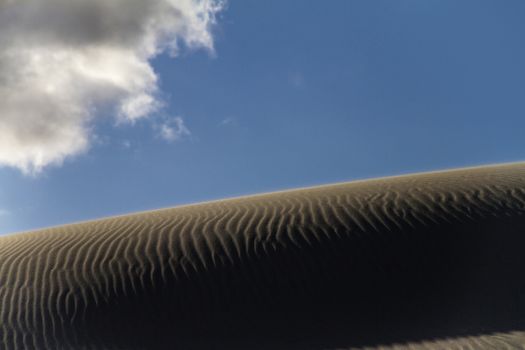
x=429 y=261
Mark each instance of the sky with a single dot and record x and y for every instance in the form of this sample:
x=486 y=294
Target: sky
x=113 y=107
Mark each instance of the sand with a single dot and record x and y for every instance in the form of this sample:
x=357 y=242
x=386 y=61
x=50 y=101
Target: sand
x=433 y=260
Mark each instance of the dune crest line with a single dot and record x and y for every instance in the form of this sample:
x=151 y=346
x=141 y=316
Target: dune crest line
x=425 y=260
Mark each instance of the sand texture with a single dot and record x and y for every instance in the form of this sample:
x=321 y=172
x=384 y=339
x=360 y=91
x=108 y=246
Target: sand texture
x=430 y=261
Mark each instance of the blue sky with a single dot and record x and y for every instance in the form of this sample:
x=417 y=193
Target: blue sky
x=300 y=93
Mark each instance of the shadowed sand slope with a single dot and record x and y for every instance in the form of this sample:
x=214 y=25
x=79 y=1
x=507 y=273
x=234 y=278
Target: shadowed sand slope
x=427 y=260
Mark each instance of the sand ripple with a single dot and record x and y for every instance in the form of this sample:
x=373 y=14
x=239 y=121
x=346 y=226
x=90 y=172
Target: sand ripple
x=423 y=261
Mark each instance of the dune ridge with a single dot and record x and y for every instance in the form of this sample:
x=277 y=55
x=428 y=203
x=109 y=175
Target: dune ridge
x=418 y=260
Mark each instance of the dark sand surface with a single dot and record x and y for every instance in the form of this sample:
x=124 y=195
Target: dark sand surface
x=432 y=260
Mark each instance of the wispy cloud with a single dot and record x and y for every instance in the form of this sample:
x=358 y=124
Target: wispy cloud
x=173 y=129
x=227 y=121
x=4 y=212
x=63 y=62
x=297 y=79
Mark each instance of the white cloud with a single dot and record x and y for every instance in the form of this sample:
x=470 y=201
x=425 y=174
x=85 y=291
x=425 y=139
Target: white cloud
x=4 y=212
x=173 y=129
x=64 y=62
